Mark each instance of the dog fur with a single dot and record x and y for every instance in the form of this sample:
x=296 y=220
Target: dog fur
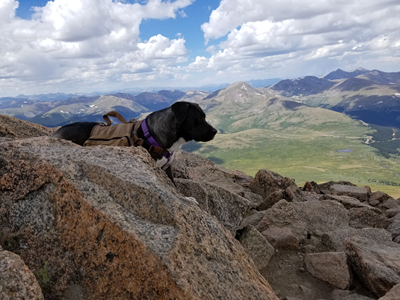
x=171 y=127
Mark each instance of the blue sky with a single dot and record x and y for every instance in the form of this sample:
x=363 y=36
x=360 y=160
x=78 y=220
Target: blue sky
x=189 y=26
x=104 y=45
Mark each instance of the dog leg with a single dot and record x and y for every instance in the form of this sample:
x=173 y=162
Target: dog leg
x=168 y=171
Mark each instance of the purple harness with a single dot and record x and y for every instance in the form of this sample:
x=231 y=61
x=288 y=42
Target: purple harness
x=152 y=141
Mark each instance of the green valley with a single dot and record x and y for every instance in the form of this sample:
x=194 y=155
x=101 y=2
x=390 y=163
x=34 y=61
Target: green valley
x=263 y=131
x=306 y=157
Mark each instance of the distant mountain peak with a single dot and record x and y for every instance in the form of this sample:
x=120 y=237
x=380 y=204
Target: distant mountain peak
x=341 y=74
x=304 y=86
x=239 y=84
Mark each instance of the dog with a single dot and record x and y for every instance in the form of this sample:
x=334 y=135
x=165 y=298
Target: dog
x=169 y=128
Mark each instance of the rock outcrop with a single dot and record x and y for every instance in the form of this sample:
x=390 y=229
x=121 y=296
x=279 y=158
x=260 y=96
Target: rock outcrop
x=13 y=128
x=106 y=223
x=110 y=222
x=330 y=267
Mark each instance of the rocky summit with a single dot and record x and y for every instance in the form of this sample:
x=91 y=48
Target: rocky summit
x=106 y=223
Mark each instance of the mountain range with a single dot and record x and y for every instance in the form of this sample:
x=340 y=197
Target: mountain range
x=371 y=96
x=344 y=126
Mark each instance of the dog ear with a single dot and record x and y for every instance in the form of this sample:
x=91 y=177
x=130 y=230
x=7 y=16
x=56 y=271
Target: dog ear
x=180 y=110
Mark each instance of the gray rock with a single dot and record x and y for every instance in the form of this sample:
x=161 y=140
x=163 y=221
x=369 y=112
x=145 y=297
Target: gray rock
x=349 y=202
x=334 y=240
x=390 y=213
x=271 y=200
x=365 y=217
x=115 y=225
x=327 y=185
x=322 y=216
x=267 y=182
x=377 y=198
x=360 y=193
x=255 y=199
x=393 y=294
x=227 y=207
x=284 y=215
x=394 y=227
x=305 y=219
x=377 y=264
x=17 y=282
x=390 y=203
x=312 y=196
x=257 y=246
x=281 y=238
x=252 y=218
x=200 y=169
x=330 y=267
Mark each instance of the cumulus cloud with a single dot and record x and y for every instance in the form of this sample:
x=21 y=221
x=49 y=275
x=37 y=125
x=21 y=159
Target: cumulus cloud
x=84 y=41
x=81 y=45
x=294 y=35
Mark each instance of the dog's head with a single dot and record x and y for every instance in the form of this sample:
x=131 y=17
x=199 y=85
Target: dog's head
x=192 y=122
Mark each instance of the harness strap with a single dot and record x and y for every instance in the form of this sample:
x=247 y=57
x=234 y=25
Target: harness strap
x=154 y=146
x=149 y=142
x=115 y=115
x=140 y=142
x=147 y=134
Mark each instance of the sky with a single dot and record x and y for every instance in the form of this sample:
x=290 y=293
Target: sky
x=81 y=46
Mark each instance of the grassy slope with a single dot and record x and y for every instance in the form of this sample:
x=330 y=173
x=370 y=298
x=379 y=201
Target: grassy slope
x=305 y=158
x=333 y=96
x=303 y=144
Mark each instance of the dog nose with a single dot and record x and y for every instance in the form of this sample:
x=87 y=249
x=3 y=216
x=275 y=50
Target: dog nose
x=214 y=131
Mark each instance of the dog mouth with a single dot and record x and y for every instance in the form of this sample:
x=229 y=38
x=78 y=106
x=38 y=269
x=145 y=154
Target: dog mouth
x=207 y=137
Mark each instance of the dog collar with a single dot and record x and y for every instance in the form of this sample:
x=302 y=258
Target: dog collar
x=152 y=141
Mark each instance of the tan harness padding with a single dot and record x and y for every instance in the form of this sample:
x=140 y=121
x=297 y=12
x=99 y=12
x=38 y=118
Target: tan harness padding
x=123 y=134
x=114 y=135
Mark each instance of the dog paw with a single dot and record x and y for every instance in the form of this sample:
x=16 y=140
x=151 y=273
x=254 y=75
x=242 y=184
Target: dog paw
x=193 y=200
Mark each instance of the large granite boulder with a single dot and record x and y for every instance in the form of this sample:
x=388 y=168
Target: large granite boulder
x=109 y=222
x=358 y=192
x=366 y=218
x=330 y=267
x=229 y=208
x=377 y=264
x=267 y=182
x=257 y=246
x=194 y=167
x=305 y=219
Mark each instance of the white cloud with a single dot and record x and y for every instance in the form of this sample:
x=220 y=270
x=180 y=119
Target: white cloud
x=161 y=47
x=274 y=38
x=72 y=41
x=83 y=45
